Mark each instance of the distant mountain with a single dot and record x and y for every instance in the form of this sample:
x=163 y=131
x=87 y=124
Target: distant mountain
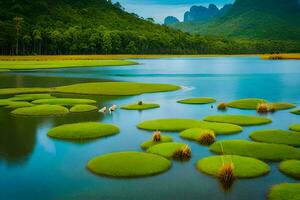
x=259 y=19
x=203 y=14
x=171 y=20
x=200 y=14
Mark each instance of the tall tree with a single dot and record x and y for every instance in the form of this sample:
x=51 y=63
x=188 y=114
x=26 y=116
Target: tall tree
x=18 y=25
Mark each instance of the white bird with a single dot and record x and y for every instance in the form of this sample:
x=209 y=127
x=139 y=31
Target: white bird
x=102 y=110
x=112 y=108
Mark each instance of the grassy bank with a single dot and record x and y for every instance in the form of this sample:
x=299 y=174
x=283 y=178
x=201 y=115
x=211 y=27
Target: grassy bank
x=59 y=63
x=285 y=56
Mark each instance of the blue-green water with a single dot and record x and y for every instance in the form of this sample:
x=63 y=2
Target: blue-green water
x=33 y=166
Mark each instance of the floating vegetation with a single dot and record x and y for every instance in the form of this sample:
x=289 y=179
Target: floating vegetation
x=201 y=100
x=265 y=108
x=173 y=125
x=140 y=106
x=263 y=151
x=296 y=112
x=83 y=108
x=64 y=101
x=290 y=168
x=152 y=142
x=19 y=104
x=166 y=149
x=83 y=131
x=31 y=97
x=128 y=164
x=247 y=104
x=295 y=127
x=41 y=110
x=276 y=137
x=285 y=191
x=226 y=176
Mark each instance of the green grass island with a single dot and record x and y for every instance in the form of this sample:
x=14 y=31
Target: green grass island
x=200 y=100
x=244 y=167
x=98 y=88
x=241 y=120
x=290 y=168
x=149 y=143
x=137 y=106
x=262 y=151
x=128 y=164
x=177 y=124
x=295 y=127
x=41 y=110
x=285 y=191
x=80 y=108
x=296 y=112
x=83 y=131
x=276 y=137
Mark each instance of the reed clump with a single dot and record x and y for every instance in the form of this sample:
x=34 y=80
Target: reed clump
x=182 y=154
x=207 y=138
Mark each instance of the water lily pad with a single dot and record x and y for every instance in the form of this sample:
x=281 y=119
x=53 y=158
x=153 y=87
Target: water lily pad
x=296 y=112
x=83 y=108
x=290 y=168
x=30 y=97
x=150 y=143
x=144 y=106
x=64 y=101
x=285 y=191
x=247 y=104
x=19 y=104
x=295 y=127
x=166 y=149
x=201 y=100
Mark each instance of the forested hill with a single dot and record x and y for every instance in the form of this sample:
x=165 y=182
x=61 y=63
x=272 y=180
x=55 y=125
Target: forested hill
x=254 y=19
x=98 y=26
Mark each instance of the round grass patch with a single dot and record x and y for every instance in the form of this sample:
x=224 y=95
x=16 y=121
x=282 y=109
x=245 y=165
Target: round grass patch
x=128 y=164
x=136 y=106
x=295 y=127
x=291 y=168
x=149 y=143
x=203 y=100
x=41 y=110
x=277 y=137
x=242 y=120
x=31 y=97
x=165 y=149
x=285 y=191
x=246 y=104
x=263 y=151
x=83 y=108
x=64 y=101
x=296 y=112
x=19 y=104
x=244 y=167
x=183 y=124
x=83 y=131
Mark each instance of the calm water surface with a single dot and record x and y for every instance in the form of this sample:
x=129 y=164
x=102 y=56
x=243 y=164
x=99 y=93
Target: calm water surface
x=33 y=166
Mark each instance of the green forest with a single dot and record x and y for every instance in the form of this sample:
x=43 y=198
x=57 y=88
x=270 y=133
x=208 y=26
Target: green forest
x=40 y=27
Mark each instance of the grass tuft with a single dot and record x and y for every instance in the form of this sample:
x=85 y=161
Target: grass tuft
x=222 y=106
x=226 y=176
x=207 y=138
x=183 y=154
x=156 y=136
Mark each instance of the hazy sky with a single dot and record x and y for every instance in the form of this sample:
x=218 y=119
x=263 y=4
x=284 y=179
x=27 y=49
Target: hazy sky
x=159 y=9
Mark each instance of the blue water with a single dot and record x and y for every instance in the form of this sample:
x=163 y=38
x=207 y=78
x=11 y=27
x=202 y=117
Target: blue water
x=33 y=166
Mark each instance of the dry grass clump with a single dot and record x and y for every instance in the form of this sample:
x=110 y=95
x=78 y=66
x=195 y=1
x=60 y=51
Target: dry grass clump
x=222 y=106
x=265 y=108
x=184 y=153
x=226 y=176
x=156 y=136
x=207 y=138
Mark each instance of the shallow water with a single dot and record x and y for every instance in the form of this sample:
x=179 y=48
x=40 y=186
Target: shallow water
x=33 y=166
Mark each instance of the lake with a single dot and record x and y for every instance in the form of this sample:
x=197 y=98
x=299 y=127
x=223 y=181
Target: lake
x=34 y=166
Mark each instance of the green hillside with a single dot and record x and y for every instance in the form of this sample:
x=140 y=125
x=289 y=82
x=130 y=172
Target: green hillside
x=101 y=27
x=267 y=19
